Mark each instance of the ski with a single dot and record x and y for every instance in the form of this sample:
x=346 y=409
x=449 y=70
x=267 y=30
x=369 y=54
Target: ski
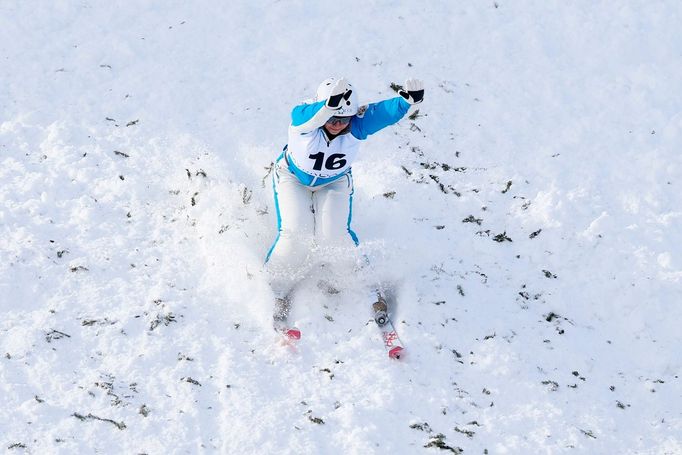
x=289 y=333
x=392 y=343
x=279 y=320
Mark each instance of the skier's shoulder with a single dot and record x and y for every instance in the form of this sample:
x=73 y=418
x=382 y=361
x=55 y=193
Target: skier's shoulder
x=295 y=134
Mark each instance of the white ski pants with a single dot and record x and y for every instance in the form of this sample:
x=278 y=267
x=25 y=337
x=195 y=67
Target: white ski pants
x=306 y=217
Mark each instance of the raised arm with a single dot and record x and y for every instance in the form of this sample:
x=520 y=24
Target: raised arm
x=379 y=115
x=308 y=117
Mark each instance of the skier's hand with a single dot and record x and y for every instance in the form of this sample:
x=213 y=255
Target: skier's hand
x=413 y=91
x=340 y=91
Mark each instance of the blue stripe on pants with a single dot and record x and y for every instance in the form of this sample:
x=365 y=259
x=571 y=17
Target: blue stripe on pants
x=350 y=210
x=279 y=216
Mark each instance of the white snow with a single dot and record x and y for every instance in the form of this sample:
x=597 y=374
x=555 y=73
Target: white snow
x=136 y=211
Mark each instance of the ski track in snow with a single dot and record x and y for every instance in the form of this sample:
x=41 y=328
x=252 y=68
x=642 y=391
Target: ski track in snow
x=527 y=218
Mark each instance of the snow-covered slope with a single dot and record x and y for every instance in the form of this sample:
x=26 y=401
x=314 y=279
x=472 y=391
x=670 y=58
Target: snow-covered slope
x=528 y=217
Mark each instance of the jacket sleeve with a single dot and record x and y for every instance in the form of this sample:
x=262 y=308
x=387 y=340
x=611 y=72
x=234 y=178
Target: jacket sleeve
x=378 y=116
x=308 y=117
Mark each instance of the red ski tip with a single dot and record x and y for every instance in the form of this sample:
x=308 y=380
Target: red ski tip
x=293 y=334
x=396 y=352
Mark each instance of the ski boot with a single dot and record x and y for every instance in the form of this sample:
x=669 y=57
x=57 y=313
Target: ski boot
x=380 y=311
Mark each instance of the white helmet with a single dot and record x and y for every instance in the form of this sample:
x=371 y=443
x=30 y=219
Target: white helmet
x=348 y=108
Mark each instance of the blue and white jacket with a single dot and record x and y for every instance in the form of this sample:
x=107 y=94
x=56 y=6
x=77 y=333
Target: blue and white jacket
x=314 y=157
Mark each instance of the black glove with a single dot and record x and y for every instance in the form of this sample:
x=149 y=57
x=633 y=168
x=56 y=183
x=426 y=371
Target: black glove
x=413 y=91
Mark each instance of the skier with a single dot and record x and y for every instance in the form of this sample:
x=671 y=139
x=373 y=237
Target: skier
x=312 y=180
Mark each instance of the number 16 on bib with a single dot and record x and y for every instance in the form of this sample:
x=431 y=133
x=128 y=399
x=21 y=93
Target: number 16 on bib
x=333 y=162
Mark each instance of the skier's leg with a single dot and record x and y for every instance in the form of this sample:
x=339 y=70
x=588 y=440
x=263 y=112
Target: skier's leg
x=335 y=207
x=334 y=234
x=287 y=256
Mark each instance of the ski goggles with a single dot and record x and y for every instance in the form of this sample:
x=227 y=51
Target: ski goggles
x=339 y=120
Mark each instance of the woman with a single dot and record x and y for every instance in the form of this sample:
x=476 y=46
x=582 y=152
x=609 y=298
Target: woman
x=312 y=178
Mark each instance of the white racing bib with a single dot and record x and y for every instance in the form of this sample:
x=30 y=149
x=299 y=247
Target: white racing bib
x=311 y=153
